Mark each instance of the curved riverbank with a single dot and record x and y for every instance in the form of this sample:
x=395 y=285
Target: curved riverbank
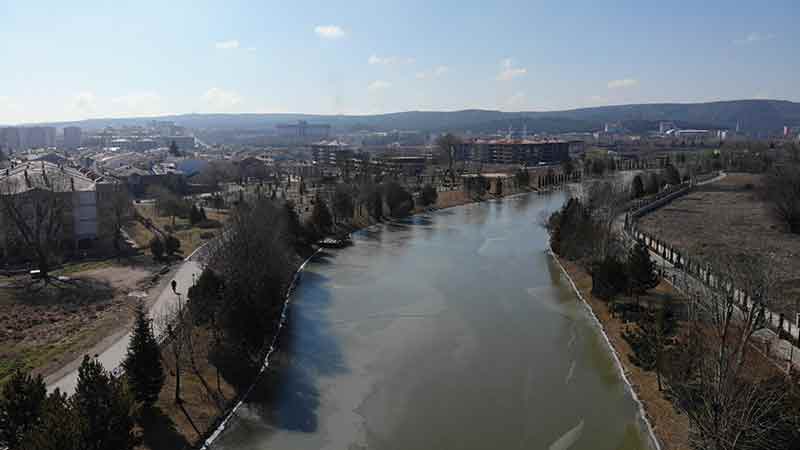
x=394 y=343
x=222 y=421
x=668 y=430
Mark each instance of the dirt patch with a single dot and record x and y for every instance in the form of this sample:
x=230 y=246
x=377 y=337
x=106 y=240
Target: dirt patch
x=670 y=427
x=173 y=429
x=45 y=328
x=729 y=218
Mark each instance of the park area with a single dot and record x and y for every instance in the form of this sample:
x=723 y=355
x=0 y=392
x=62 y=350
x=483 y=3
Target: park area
x=190 y=236
x=729 y=218
x=45 y=327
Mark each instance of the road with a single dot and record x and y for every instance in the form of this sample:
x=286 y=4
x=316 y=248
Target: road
x=113 y=351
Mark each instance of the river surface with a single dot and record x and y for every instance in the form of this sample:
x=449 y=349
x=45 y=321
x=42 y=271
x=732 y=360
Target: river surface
x=451 y=330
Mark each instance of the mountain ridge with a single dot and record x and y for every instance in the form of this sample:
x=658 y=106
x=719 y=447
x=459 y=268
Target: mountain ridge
x=760 y=116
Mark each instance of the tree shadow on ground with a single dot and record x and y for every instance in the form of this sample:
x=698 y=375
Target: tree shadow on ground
x=159 y=431
x=76 y=292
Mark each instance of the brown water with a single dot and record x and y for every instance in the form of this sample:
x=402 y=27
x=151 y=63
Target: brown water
x=453 y=330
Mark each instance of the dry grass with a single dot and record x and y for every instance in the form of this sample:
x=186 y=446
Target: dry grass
x=189 y=236
x=728 y=218
x=46 y=329
x=671 y=428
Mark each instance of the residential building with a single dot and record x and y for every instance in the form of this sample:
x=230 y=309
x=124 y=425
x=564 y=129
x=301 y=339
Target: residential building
x=515 y=151
x=329 y=153
x=84 y=202
x=72 y=138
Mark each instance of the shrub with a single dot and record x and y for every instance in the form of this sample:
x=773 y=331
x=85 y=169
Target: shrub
x=609 y=278
x=157 y=247
x=171 y=245
x=428 y=195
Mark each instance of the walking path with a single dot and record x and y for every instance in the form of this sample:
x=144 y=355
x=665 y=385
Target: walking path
x=112 y=351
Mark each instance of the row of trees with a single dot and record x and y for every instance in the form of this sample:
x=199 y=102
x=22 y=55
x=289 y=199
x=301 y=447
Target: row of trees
x=648 y=183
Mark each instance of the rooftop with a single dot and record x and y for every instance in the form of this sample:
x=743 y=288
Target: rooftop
x=46 y=176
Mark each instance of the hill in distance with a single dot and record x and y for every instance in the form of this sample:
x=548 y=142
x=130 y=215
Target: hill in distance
x=759 y=116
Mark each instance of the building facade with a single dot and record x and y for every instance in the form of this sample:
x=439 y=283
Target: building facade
x=81 y=202
x=72 y=138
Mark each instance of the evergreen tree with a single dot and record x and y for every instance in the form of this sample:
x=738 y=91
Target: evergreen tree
x=205 y=296
x=671 y=175
x=157 y=248
x=321 y=217
x=293 y=226
x=429 y=195
x=143 y=362
x=343 y=205
x=173 y=149
x=637 y=187
x=649 y=339
x=642 y=274
x=21 y=405
x=104 y=407
x=59 y=429
x=194 y=215
x=608 y=278
x=171 y=245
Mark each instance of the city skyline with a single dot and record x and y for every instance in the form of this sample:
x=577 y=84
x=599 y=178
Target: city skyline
x=151 y=59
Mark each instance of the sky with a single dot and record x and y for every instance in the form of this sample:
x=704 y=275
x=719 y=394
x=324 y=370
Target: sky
x=91 y=59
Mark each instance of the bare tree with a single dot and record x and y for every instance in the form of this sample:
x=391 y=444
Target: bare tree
x=35 y=211
x=606 y=199
x=253 y=258
x=782 y=191
x=726 y=404
x=167 y=202
x=121 y=210
x=174 y=326
x=447 y=145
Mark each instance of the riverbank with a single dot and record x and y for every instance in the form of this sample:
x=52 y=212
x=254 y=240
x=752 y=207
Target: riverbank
x=671 y=429
x=178 y=432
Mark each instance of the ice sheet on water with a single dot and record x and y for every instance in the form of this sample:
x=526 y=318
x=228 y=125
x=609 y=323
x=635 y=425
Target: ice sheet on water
x=569 y=438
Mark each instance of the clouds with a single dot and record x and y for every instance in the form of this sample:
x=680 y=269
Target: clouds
x=84 y=102
x=509 y=70
x=379 y=85
x=753 y=37
x=389 y=60
x=138 y=103
x=329 y=31
x=436 y=72
x=221 y=99
x=232 y=44
x=624 y=83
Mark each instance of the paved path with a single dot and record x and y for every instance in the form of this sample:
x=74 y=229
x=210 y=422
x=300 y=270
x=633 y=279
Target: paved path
x=112 y=356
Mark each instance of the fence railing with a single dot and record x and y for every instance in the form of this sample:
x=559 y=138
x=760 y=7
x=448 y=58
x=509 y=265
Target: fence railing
x=704 y=273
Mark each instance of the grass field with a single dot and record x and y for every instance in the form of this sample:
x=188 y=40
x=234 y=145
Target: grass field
x=729 y=218
x=45 y=328
x=189 y=236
